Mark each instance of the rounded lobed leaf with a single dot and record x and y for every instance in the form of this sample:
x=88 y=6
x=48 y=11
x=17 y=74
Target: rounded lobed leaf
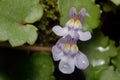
x=42 y=65
x=14 y=16
x=99 y=50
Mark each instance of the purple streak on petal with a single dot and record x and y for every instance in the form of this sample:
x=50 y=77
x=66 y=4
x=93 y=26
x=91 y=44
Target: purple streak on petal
x=66 y=65
x=56 y=53
x=82 y=14
x=64 y=39
x=76 y=35
x=68 y=37
x=59 y=30
x=61 y=40
x=84 y=36
x=72 y=13
x=81 y=61
x=71 y=40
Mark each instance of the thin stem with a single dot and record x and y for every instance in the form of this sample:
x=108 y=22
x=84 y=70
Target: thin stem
x=35 y=47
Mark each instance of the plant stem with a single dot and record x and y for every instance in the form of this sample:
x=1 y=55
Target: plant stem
x=34 y=47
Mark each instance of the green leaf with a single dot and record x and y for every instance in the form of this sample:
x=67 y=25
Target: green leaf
x=116 y=2
x=95 y=72
x=99 y=51
x=14 y=18
x=107 y=7
x=116 y=60
x=42 y=66
x=93 y=11
x=109 y=74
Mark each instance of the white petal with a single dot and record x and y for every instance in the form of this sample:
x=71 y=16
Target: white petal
x=60 y=31
x=84 y=36
x=81 y=61
x=67 y=65
x=56 y=53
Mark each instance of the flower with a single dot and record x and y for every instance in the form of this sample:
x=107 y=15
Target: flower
x=74 y=26
x=67 y=52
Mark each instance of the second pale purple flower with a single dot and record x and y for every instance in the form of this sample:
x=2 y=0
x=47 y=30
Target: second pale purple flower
x=67 y=52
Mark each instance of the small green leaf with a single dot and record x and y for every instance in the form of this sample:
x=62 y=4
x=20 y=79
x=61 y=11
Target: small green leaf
x=14 y=18
x=116 y=2
x=109 y=74
x=93 y=73
x=42 y=65
x=93 y=12
x=107 y=7
x=99 y=51
x=116 y=60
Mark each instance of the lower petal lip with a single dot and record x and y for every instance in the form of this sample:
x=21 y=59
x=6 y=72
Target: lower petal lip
x=66 y=65
x=81 y=61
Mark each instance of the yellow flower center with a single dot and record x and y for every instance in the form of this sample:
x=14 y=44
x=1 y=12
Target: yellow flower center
x=74 y=48
x=70 y=23
x=71 y=20
x=77 y=24
x=67 y=47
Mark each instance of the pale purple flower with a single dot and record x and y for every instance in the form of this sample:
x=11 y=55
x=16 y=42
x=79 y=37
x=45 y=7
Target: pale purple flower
x=74 y=26
x=67 y=52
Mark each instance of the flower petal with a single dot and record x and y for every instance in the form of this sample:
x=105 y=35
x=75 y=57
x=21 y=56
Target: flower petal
x=66 y=65
x=81 y=61
x=84 y=36
x=76 y=35
x=72 y=13
x=59 y=30
x=56 y=53
x=82 y=14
